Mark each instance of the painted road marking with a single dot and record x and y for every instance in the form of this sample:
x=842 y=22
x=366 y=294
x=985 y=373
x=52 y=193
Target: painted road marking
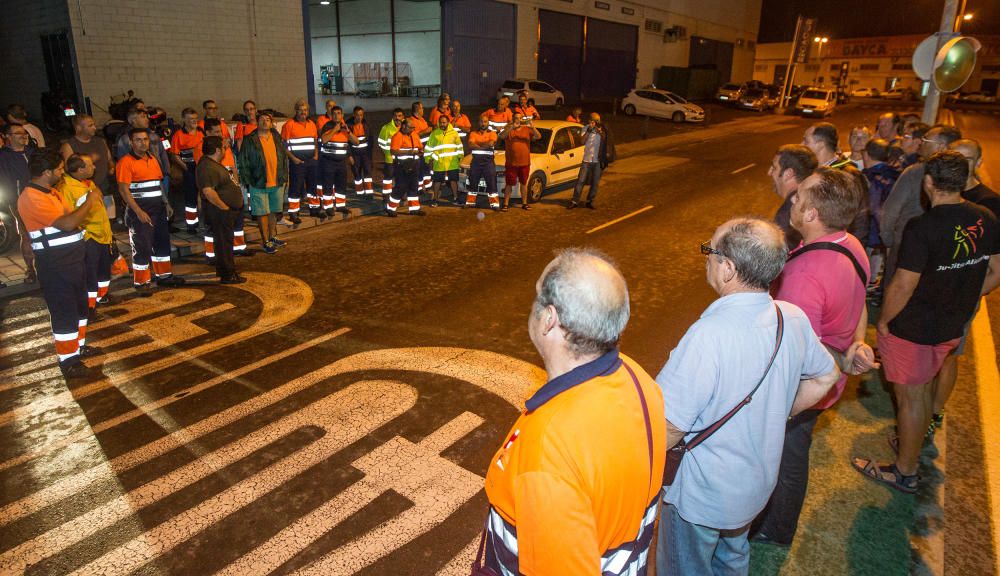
x=429 y=483
x=148 y=408
x=988 y=385
x=617 y=220
x=284 y=299
x=747 y=167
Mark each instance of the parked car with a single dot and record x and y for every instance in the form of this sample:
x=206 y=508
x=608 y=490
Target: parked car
x=899 y=94
x=757 y=99
x=730 y=93
x=817 y=102
x=661 y=104
x=555 y=159
x=978 y=97
x=865 y=93
x=539 y=93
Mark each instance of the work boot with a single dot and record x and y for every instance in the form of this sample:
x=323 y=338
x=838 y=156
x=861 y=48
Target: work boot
x=590 y=205
x=244 y=253
x=321 y=215
x=390 y=213
x=144 y=290
x=295 y=219
x=417 y=213
x=170 y=281
x=90 y=351
x=234 y=279
x=329 y=212
x=343 y=210
x=74 y=371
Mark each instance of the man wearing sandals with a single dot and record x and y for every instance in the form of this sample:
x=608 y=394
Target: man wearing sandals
x=743 y=338
x=825 y=276
x=574 y=487
x=943 y=268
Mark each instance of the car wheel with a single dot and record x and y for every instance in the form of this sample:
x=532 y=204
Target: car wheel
x=629 y=110
x=8 y=232
x=535 y=187
x=678 y=117
x=559 y=102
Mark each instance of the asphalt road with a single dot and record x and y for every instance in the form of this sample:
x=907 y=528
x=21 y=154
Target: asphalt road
x=336 y=414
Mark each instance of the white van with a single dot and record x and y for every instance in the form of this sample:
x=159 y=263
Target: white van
x=817 y=102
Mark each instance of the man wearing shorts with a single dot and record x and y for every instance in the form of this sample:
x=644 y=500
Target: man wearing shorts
x=264 y=169
x=944 y=266
x=517 y=164
x=444 y=155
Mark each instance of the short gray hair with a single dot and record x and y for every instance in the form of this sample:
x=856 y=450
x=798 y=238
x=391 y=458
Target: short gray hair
x=593 y=307
x=757 y=250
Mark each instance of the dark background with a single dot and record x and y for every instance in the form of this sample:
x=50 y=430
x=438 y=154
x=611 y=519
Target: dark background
x=864 y=18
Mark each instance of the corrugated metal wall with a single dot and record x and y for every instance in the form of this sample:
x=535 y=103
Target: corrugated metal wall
x=478 y=48
x=586 y=57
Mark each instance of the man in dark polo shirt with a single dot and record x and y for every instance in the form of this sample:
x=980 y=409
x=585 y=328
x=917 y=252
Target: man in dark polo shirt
x=223 y=203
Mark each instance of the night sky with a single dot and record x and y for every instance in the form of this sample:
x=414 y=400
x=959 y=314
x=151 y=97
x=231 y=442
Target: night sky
x=862 y=18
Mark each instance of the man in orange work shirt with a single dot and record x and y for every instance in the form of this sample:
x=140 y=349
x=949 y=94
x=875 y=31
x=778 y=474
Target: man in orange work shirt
x=517 y=161
x=140 y=184
x=574 y=488
x=247 y=124
x=500 y=116
x=302 y=140
x=483 y=167
x=183 y=144
x=212 y=113
x=53 y=227
x=422 y=129
x=407 y=158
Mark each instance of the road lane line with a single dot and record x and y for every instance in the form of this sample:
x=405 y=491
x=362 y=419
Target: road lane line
x=617 y=220
x=747 y=167
x=146 y=409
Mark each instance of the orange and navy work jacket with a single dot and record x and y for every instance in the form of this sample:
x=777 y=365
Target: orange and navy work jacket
x=301 y=138
x=409 y=146
x=499 y=120
x=39 y=209
x=419 y=125
x=362 y=133
x=527 y=112
x=482 y=138
x=572 y=489
x=334 y=145
x=142 y=174
x=462 y=125
x=437 y=113
x=187 y=144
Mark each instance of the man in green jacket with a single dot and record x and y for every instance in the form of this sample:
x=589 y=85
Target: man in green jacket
x=263 y=168
x=384 y=142
x=444 y=153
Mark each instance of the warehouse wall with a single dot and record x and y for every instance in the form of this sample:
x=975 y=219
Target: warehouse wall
x=176 y=54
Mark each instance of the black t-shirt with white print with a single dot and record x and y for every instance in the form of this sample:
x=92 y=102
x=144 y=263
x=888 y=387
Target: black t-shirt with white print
x=949 y=246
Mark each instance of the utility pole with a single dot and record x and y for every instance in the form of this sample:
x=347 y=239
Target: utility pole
x=786 y=85
x=933 y=100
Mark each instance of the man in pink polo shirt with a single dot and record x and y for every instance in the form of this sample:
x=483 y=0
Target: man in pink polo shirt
x=825 y=277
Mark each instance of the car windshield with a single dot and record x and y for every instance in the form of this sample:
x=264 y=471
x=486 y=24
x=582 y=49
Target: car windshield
x=814 y=94
x=513 y=84
x=754 y=94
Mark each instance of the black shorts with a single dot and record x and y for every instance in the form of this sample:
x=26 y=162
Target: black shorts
x=449 y=176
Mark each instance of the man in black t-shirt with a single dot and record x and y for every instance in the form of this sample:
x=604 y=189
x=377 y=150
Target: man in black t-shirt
x=223 y=202
x=944 y=267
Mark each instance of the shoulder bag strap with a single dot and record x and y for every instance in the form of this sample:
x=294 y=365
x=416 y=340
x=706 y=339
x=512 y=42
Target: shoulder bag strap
x=836 y=248
x=645 y=414
x=707 y=432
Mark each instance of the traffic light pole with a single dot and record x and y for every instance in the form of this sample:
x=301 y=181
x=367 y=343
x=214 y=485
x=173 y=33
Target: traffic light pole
x=932 y=103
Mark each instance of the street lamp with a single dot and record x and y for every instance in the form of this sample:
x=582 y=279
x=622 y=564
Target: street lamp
x=820 y=40
x=967 y=17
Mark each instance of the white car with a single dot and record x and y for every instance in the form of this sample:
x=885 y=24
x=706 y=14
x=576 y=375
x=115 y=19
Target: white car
x=897 y=94
x=865 y=93
x=661 y=104
x=817 y=102
x=555 y=159
x=540 y=93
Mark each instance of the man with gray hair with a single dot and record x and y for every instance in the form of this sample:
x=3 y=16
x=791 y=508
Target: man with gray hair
x=574 y=487
x=745 y=345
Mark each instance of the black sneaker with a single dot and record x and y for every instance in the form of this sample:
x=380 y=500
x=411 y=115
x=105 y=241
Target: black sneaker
x=590 y=205
x=572 y=205
x=234 y=279
x=434 y=204
x=87 y=351
x=390 y=213
x=270 y=247
x=321 y=215
x=244 y=253
x=278 y=243
x=170 y=281
x=295 y=219
x=144 y=290
x=417 y=213
x=74 y=371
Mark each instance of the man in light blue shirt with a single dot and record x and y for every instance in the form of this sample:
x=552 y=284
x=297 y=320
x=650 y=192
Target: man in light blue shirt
x=598 y=152
x=724 y=482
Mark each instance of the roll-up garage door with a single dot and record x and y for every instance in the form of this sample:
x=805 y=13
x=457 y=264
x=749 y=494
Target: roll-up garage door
x=609 y=59
x=478 y=48
x=560 y=51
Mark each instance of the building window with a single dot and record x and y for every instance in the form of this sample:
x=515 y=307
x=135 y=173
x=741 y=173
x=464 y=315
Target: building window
x=868 y=67
x=994 y=68
x=654 y=26
x=903 y=66
x=602 y=5
x=628 y=11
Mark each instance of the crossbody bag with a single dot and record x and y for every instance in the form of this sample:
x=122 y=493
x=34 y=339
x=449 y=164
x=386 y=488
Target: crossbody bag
x=676 y=454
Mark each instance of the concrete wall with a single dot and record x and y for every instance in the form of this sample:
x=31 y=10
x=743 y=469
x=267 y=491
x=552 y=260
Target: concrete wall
x=723 y=20
x=176 y=54
x=22 y=68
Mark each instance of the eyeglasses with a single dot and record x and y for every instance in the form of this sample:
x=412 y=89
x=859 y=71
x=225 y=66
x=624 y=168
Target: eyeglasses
x=706 y=249
x=928 y=140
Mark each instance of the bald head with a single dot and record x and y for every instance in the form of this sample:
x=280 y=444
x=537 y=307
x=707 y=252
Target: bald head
x=589 y=296
x=972 y=152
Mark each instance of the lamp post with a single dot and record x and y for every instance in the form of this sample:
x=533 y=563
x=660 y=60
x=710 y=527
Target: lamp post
x=820 y=41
